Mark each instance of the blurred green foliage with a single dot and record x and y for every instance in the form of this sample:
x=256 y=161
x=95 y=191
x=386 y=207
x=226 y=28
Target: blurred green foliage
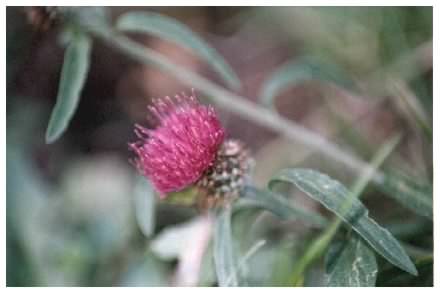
x=77 y=214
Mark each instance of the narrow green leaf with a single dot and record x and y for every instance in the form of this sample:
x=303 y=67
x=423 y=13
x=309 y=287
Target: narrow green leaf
x=224 y=258
x=355 y=266
x=412 y=194
x=320 y=244
x=280 y=207
x=298 y=71
x=207 y=271
x=335 y=197
x=171 y=30
x=144 y=204
x=243 y=262
x=333 y=253
x=73 y=75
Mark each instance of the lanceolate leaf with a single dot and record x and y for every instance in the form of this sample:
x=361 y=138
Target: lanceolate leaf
x=144 y=200
x=280 y=207
x=169 y=29
x=73 y=75
x=335 y=197
x=224 y=258
x=354 y=266
x=299 y=71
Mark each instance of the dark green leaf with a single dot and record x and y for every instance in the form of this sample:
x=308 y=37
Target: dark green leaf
x=144 y=203
x=333 y=253
x=335 y=197
x=73 y=75
x=280 y=207
x=224 y=258
x=299 y=71
x=412 y=194
x=171 y=30
x=355 y=266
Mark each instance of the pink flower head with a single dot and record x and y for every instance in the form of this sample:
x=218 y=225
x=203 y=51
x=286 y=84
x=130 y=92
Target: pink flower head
x=177 y=152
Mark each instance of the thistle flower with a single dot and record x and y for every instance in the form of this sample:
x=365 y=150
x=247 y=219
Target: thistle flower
x=188 y=148
x=182 y=147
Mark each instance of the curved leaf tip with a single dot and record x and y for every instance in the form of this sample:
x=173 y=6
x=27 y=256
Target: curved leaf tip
x=73 y=76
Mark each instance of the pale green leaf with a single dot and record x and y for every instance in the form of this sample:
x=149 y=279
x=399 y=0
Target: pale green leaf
x=354 y=266
x=73 y=76
x=207 y=271
x=144 y=203
x=224 y=258
x=171 y=30
x=89 y=17
x=279 y=206
x=335 y=197
x=298 y=71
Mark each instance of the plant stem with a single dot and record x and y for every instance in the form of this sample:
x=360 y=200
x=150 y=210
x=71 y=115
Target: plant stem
x=314 y=251
x=235 y=103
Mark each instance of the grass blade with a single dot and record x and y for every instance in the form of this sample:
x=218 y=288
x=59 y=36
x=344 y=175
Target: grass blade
x=171 y=30
x=73 y=76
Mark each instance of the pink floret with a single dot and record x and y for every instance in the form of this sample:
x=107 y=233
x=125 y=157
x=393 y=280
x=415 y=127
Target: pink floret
x=176 y=153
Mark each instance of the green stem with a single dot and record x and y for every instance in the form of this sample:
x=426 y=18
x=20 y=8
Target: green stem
x=314 y=252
